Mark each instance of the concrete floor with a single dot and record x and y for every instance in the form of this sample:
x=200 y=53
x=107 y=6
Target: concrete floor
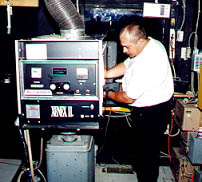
x=9 y=170
x=165 y=175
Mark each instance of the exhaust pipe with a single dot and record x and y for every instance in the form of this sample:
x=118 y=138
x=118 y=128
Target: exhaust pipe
x=66 y=16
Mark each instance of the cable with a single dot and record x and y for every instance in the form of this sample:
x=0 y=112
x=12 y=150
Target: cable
x=105 y=133
x=9 y=13
x=41 y=155
x=189 y=42
x=198 y=79
x=28 y=142
x=20 y=176
x=192 y=177
x=107 y=124
x=44 y=179
x=25 y=171
x=172 y=49
x=27 y=163
x=174 y=72
x=127 y=120
x=115 y=160
x=121 y=114
x=173 y=135
x=26 y=152
x=192 y=83
x=163 y=153
x=77 y=5
x=196 y=29
x=184 y=12
x=195 y=44
x=116 y=116
x=109 y=116
x=197 y=22
x=171 y=128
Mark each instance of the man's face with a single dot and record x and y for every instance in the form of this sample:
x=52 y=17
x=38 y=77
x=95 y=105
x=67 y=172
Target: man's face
x=130 y=48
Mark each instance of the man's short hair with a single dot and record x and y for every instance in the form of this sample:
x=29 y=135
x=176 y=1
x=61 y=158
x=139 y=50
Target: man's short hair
x=135 y=31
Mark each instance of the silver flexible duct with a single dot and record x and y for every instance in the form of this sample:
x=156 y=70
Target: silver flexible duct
x=66 y=16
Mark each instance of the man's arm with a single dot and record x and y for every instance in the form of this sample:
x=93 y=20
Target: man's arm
x=115 y=71
x=120 y=97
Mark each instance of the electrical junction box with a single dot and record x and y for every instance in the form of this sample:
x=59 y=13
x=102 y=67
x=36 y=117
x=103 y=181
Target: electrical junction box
x=70 y=158
x=156 y=10
x=195 y=149
x=187 y=116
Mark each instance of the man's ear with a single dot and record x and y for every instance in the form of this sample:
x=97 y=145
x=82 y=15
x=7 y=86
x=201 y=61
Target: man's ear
x=141 y=40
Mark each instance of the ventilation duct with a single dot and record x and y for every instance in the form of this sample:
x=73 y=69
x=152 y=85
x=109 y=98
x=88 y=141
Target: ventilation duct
x=66 y=16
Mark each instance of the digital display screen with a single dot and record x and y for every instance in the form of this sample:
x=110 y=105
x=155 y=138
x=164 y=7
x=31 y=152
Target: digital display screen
x=59 y=71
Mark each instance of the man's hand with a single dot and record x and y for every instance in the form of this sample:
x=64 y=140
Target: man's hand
x=118 y=97
x=105 y=72
x=104 y=94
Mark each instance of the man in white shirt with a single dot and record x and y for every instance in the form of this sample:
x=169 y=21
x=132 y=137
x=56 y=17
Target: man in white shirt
x=147 y=87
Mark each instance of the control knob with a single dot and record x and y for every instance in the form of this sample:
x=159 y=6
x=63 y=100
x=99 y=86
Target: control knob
x=52 y=86
x=66 y=86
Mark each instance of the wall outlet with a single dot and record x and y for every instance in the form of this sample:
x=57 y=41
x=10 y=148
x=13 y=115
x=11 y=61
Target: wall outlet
x=180 y=36
x=184 y=53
